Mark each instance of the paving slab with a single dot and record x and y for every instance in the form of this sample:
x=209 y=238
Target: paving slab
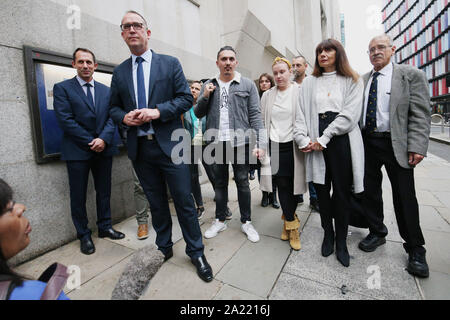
x=218 y=250
x=174 y=283
x=255 y=267
x=437 y=286
x=390 y=260
x=290 y=287
x=107 y=255
x=427 y=198
x=430 y=219
x=102 y=286
x=445 y=213
x=129 y=228
x=444 y=199
x=231 y=293
x=431 y=184
x=438 y=253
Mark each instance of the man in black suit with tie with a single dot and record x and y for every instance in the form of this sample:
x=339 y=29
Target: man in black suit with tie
x=149 y=93
x=82 y=108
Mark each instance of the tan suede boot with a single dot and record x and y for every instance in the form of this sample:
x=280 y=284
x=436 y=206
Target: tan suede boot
x=294 y=234
x=284 y=232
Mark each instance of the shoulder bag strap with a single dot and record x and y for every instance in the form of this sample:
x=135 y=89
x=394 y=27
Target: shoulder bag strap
x=56 y=283
x=4 y=289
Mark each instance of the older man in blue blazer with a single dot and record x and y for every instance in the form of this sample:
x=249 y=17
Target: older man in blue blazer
x=82 y=108
x=149 y=93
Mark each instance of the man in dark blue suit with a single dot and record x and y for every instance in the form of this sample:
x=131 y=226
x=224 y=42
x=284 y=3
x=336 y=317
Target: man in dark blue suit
x=149 y=93
x=82 y=109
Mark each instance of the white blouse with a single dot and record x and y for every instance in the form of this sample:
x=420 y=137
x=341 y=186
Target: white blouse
x=281 y=124
x=329 y=94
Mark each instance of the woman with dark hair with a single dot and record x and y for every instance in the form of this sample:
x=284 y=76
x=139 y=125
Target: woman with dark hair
x=278 y=108
x=329 y=109
x=14 y=237
x=265 y=83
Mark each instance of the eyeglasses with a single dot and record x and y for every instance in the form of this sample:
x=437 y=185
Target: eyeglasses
x=136 y=26
x=378 y=48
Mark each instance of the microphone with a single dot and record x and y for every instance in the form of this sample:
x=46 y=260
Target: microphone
x=137 y=274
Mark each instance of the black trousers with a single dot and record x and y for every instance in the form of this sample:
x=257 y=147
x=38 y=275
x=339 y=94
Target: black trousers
x=379 y=153
x=288 y=200
x=338 y=174
x=154 y=168
x=78 y=172
x=240 y=160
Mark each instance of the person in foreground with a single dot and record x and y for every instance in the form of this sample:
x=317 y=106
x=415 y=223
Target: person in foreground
x=14 y=237
x=327 y=131
x=149 y=93
x=396 y=126
x=278 y=106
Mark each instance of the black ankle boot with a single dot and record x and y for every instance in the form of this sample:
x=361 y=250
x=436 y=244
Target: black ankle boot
x=274 y=201
x=265 y=199
x=328 y=243
x=342 y=253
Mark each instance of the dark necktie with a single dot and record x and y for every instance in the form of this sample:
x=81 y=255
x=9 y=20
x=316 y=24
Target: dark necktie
x=371 y=116
x=89 y=94
x=142 y=97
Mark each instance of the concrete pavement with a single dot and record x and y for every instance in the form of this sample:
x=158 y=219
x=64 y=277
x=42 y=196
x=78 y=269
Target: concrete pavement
x=270 y=269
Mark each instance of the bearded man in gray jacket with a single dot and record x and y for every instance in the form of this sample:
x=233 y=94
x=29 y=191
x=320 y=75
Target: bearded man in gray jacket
x=396 y=126
x=231 y=105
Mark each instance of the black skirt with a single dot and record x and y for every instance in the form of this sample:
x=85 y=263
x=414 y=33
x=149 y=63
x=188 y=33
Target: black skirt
x=285 y=158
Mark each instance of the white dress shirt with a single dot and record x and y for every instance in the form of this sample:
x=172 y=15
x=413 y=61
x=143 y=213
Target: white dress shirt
x=82 y=84
x=383 y=98
x=146 y=65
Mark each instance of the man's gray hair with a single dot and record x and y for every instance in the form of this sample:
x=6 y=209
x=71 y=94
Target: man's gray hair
x=135 y=12
x=386 y=37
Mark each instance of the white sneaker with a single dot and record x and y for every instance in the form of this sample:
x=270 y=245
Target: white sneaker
x=215 y=228
x=250 y=231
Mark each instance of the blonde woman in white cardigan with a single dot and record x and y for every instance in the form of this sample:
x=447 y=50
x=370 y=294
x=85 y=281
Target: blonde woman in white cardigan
x=287 y=161
x=327 y=131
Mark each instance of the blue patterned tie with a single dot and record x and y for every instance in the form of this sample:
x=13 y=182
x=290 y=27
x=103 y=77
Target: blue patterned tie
x=89 y=94
x=142 y=97
x=371 y=116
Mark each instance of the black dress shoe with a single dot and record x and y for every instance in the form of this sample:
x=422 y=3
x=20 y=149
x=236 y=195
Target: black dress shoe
x=300 y=198
x=111 y=233
x=342 y=255
x=265 y=200
x=168 y=255
x=87 y=246
x=371 y=242
x=314 y=204
x=417 y=265
x=328 y=244
x=204 y=270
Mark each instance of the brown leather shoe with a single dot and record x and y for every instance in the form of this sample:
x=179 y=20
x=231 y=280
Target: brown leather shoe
x=142 y=233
